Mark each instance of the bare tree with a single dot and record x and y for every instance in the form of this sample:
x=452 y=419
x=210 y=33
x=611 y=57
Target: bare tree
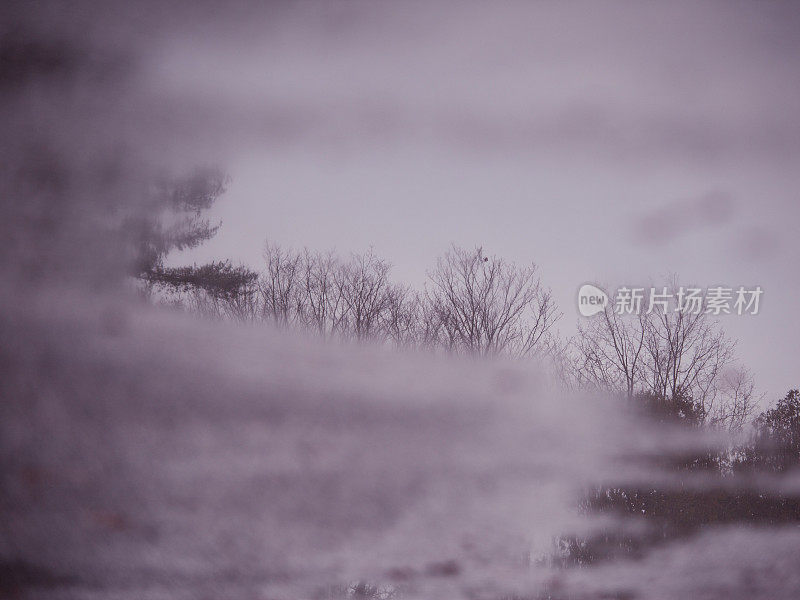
x=736 y=402
x=686 y=354
x=472 y=304
x=611 y=351
x=487 y=306
x=403 y=318
x=280 y=286
x=362 y=285
x=668 y=355
x=322 y=309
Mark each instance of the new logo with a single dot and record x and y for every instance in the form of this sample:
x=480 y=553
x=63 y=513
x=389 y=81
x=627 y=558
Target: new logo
x=591 y=300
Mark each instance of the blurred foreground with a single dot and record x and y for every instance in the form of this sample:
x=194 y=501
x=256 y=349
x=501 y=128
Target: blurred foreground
x=147 y=455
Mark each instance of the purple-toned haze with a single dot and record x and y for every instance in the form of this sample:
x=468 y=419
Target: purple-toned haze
x=146 y=453
x=611 y=143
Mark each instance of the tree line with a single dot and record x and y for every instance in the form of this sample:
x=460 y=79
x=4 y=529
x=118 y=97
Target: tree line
x=678 y=364
x=674 y=366
x=472 y=303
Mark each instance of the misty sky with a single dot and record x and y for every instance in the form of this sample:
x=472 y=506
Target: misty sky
x=608 y=144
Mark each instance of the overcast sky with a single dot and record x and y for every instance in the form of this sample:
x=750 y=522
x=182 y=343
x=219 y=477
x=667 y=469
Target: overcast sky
x=613 y=144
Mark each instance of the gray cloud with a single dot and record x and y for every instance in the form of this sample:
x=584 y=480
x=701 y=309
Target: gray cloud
x=672 y=221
